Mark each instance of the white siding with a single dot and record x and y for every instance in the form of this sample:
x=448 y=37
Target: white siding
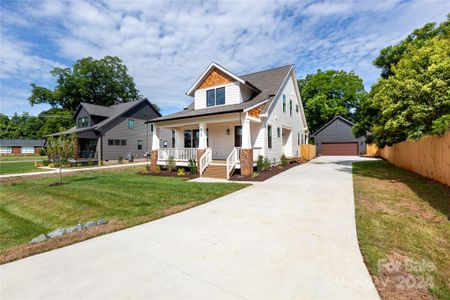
x=221 y=143
x=279 y=119
x=232 y=95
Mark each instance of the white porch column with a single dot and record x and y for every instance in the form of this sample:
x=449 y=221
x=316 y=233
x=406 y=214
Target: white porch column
x=246 y=136
x=179 y=138
x=155 y=137
x=202 y=143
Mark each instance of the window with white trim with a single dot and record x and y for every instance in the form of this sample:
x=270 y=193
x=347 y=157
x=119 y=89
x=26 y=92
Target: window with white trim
x=215 y=97
x=27 y=150
x=5 y=149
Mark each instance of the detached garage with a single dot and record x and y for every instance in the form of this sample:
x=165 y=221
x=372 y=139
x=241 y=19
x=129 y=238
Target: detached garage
x=336 y=138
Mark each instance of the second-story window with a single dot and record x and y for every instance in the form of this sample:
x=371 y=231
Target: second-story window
x=130 y=124
x=82 y=122
x=290 y=107
x=284 y=103
x=215 y=97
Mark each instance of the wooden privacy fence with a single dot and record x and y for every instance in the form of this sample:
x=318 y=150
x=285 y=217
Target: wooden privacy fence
x=429 y=156
x=307 y=151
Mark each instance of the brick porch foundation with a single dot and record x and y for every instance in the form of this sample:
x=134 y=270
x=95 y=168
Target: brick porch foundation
x=246 y=162
x=153 y=160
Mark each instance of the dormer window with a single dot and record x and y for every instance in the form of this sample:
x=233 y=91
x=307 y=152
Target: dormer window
x=82 y=122
x=215 y=97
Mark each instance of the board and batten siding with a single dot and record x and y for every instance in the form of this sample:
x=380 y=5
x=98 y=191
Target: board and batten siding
x=83 y=113
x=338 y=131
x=279 y=119
x=118 y=130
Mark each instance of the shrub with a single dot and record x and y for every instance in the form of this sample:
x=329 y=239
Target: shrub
x=266 y=164
x=170 y=164
x=101 y=163
x=284 y=160
x=42 y=152
x=79 y=164
x=90 y=163
x=147 y=167
x=181 y=172
x=259 y=164
x=255 y=174
x=193 y=166
x=157 y=169
x=120 y=159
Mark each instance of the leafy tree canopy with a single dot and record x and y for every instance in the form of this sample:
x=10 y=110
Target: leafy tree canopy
x=391 y=55
x=35 y=127
x=105 y=82
x=414 y=100
x=330 y=93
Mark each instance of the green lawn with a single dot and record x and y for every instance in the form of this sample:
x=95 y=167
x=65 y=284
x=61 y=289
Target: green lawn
x=18 y=167
x=31 y=207
x=404 y=217
x=19 y=158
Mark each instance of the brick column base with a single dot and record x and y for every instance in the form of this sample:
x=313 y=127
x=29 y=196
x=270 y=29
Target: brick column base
x=246 y=162
x=200 y=152
x=153 y=161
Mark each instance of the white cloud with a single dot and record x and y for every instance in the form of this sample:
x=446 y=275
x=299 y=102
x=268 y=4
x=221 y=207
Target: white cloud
x=166 y=45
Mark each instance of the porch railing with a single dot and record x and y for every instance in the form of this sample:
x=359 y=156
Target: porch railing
x=257 y=151
x=232 y=160
x=205 y=160
x=183 y=154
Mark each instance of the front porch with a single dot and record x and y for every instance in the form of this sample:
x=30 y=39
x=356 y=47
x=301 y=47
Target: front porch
x=217 y=140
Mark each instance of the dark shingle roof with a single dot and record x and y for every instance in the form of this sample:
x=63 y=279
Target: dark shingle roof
x=268 y=81
x=113 y=112
x=22 y=143
x=97 y=110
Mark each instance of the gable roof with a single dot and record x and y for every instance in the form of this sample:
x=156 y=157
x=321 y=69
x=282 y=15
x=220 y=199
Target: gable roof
x=111 y=112
x=208 y=71
x=95 y=109
x=268 y=83
x=22 y=143
x=330 y=122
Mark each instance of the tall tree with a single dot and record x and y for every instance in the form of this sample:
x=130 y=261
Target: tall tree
x=104 y=81
x=330 y=93
x=25 y=126
x=414 y=100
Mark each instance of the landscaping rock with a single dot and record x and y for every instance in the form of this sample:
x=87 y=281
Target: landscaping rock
x=39 y=239
x=91 y=224
x=57 y=233
x=80 y=226
x=101 y=222
x=71 y=229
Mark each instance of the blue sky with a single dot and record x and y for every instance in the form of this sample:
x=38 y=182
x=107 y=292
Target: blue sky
x=167 y=45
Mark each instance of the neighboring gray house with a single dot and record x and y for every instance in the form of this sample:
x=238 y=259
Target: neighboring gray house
x=107 y=132
x=336 y=138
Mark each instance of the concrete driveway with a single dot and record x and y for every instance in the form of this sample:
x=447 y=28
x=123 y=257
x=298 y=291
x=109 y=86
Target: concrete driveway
x=291 y=237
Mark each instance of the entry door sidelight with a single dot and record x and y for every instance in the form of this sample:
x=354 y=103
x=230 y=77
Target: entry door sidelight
x=237 y=136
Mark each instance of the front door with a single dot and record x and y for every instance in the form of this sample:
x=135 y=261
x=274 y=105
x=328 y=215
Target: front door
x=237 y=136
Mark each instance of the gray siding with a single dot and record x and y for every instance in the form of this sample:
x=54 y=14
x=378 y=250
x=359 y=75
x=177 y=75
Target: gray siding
x=339 y=131
x=83 y=113
x=118 y=130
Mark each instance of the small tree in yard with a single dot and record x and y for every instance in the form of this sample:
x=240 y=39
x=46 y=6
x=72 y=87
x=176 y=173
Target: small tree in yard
x=60 y=150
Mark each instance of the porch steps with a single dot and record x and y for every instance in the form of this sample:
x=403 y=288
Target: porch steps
x=216 y=171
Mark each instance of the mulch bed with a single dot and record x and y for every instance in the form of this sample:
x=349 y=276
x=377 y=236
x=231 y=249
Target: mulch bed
x=165 y=173
x=266 y=174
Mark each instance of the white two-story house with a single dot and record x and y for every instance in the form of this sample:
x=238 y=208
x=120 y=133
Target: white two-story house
x=234 y=119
